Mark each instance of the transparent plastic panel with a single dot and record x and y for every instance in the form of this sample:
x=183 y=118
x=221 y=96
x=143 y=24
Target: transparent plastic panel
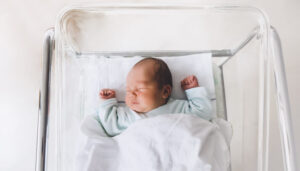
x=126 y=29
x=242 y=85
x=89 y=31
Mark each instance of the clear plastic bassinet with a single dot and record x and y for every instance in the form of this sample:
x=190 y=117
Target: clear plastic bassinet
x=249 y=74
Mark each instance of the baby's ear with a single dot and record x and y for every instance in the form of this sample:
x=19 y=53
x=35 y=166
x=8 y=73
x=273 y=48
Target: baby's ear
x=167 y=89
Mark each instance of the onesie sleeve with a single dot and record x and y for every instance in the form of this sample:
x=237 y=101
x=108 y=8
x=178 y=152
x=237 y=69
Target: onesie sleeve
x=198 y=103
x=114 y=118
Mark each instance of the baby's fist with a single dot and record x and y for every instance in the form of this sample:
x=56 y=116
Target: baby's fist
x=107 y=94
x=189 y=82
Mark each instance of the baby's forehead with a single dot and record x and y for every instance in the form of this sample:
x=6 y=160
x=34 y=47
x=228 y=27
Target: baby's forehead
x=146 y=64
x=149 y=68
x=141 y=75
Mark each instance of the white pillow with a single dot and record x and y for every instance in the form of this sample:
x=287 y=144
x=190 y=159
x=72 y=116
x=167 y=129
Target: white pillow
x=111 y=73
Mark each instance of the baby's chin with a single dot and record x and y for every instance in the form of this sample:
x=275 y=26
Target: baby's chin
x=138 y=109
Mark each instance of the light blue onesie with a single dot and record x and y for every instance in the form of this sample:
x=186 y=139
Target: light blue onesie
x=115 y=118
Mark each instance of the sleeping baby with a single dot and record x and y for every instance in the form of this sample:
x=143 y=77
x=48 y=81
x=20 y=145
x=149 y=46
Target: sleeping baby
x=148 y=90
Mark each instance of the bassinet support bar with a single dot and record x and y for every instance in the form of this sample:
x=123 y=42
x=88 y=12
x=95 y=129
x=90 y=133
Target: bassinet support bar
x=44 y=102
x=215 y=53
x=284 y=109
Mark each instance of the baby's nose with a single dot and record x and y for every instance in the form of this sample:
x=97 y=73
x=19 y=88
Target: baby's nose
x=131 y=93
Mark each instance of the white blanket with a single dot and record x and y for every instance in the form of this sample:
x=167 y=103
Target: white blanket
x=170 y=142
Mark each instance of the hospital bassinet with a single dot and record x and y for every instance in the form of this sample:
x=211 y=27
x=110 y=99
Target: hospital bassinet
x=249 y=74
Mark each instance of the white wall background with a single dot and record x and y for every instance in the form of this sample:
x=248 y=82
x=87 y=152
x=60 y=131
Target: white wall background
x=22 y=27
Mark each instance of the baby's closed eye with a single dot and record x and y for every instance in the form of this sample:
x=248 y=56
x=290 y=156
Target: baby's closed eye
x=142 y=89
x=137 y=90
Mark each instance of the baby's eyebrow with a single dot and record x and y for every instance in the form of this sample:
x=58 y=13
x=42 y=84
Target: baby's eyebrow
x=140 y=82
x=143 y=82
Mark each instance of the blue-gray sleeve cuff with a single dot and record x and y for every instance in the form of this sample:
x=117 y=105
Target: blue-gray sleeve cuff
x=106 y=102
x=196 y=92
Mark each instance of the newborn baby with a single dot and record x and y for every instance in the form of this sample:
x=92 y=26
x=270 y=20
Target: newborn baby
x=148 y=90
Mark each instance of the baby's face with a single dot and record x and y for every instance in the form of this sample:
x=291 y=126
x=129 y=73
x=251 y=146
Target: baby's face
x=142 y=92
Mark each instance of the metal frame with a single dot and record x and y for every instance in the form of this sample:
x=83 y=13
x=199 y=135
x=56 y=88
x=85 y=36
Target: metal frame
x=284 y=109
x=44 y=100
x=287 y=137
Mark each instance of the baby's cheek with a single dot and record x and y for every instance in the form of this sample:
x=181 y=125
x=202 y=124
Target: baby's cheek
x=150 y=100
x=140 y=98
x=126 y=99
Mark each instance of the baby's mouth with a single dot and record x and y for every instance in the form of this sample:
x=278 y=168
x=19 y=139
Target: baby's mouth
x=134 y=103
x=134 y=106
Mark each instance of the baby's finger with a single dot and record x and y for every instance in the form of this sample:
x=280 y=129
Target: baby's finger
x=182 y=81
x=194 y=78
x=103 y=91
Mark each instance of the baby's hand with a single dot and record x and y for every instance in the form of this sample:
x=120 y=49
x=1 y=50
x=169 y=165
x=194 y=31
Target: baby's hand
x=107 y=94
x=189 y=82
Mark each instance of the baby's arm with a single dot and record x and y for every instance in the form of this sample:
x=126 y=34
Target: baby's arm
x=114 y=119
x=198 y=101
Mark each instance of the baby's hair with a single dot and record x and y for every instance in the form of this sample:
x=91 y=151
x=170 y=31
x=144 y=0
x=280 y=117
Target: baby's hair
x=162 y=74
